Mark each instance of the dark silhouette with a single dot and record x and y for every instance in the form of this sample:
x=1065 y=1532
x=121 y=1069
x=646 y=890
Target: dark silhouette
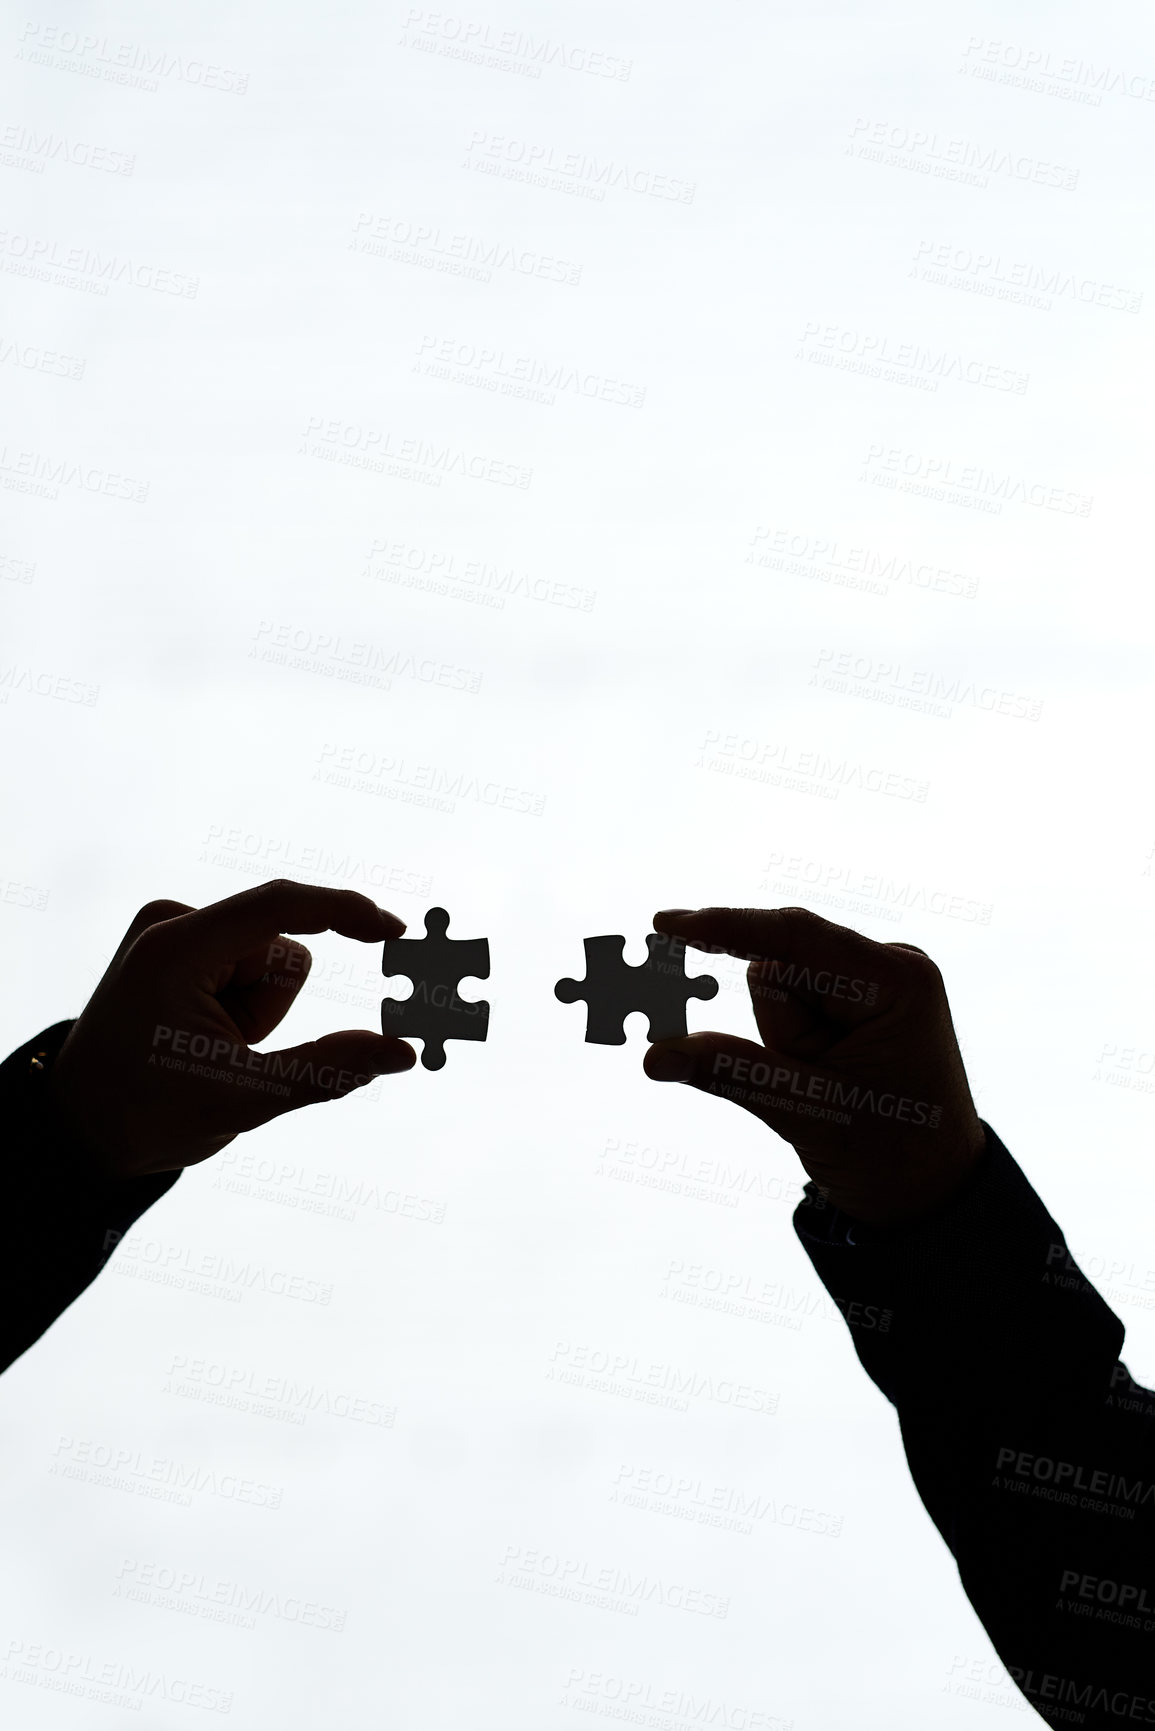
x=1031 y=1447
x=157 y=1074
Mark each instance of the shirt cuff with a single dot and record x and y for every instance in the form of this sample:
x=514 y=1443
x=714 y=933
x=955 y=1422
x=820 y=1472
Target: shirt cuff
x=47 y=1167
x=985 y=1285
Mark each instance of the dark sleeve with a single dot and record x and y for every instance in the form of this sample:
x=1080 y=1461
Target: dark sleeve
x=1031 y=1447
x=63 y=1220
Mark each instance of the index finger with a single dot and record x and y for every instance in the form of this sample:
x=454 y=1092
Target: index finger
x=813 y=959
x=229 y=929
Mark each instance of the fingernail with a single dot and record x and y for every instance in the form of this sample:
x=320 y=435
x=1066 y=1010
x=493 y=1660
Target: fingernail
x=673 y=914
x=669 y=1066
x=392 y=924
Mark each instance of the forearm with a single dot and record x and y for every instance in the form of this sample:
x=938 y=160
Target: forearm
x=61 y=1221
x=1029 y=1445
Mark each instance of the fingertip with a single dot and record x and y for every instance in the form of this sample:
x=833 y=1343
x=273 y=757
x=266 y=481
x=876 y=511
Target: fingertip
x=391 y=926
x=668 y=1062
x=672 y=917
x=395 y=1058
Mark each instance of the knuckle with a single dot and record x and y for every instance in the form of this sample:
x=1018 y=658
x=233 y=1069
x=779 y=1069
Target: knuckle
x=918 y=962
x=746 y=916
x=152 y=913
x=802 y=916
x=145 y=938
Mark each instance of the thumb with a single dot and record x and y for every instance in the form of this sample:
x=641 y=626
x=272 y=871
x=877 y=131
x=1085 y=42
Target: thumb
x=785 y=1094
x=320 y=1070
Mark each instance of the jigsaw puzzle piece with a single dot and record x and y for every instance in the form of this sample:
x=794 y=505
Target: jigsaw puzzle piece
x=606 y=1008
x=436 y=1012
x=613 y=988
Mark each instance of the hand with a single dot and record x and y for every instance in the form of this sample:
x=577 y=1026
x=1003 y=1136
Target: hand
x=860 y=1069
x=158 y=1074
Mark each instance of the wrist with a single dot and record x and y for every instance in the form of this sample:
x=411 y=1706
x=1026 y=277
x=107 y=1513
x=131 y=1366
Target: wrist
x=64 y=1124
x=904 y=1202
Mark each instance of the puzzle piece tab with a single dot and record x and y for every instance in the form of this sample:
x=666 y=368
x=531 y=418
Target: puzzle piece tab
x=613 y=987
x=435 y=1013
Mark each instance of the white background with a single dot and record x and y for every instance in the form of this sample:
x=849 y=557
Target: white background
x=744 y=317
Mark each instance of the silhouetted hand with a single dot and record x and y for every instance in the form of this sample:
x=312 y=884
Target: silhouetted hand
x=860 y=1070
x=157 y=1073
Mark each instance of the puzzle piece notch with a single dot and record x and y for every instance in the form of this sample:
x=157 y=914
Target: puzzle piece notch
x=613 y=988
x=435 y=1012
